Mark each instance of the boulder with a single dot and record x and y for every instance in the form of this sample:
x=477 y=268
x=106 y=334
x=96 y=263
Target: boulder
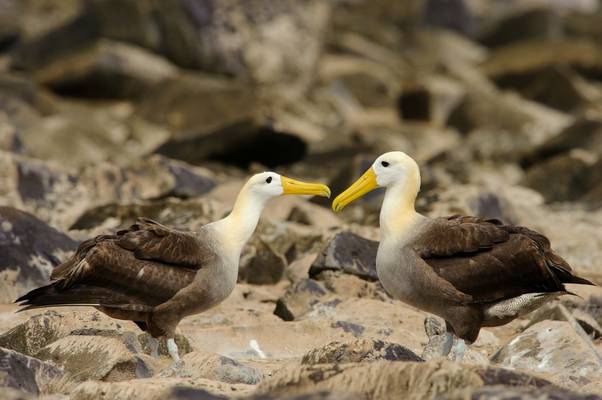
x=25 y=373
x=528 y=393
x=532 y=55
x=158 y=389
x=97 y=358
x=566 y=177
x=385 y=380
x=107 y=69
x=299 y=299
x=30 y=250
x=349 y=253
x=262 y=264
x=364 y=350
x=555 y=349
x=215 y=367
x=187 y=214
x=584 y=134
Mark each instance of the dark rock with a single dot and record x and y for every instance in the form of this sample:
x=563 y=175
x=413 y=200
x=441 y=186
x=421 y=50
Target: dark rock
x=191 y=213
x=189 y=393
x=449 y=14
x=25 y=373
x=30 y=249
x=257 y=41
x=415 y=104
x=498 y=392
x=359 y=351
x=264 y=266
x=356 y=330
x=585 y=134
x=219 y=120
x=533 y=23
x=567 y=177
x=349 y=253
x=106 y=69
x=299 y=299
x=530 y=56
x=61 y=41
x=555 y=86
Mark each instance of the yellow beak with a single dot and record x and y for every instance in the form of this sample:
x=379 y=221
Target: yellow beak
x=292 y=186
x=366 y=183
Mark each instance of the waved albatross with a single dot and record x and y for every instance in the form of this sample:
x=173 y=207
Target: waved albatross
x=469 y=271
x=155 y=275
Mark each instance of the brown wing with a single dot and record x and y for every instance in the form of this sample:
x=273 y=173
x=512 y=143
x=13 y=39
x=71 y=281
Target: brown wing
x=491 y=261
x=136 y=269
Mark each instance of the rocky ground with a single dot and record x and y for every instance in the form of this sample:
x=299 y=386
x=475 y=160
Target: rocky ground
x=112 y=109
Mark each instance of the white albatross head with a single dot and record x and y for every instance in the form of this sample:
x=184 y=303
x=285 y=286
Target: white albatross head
x=267 y=185
x=390 y=169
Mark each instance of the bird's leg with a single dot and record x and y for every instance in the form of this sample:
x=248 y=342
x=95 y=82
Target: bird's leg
x=153 y=344
x=172 y=349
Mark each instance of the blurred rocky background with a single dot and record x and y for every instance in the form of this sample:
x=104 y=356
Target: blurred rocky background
x=113 y=109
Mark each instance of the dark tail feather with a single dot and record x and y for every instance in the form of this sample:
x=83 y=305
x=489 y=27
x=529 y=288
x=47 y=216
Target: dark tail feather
x=52 y=296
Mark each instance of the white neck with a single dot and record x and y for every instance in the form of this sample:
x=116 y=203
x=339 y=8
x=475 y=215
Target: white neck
x=234 y=231
x=397 y=215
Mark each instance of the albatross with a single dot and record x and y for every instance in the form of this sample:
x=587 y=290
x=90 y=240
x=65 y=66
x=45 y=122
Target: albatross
x=471 y=272
x=154 y=275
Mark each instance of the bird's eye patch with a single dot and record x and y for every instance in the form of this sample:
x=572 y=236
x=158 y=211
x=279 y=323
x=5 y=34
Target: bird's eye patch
x=269 y=180
x=384 y=163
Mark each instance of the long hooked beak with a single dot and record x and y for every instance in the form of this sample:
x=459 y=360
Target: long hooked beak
x=366 y=183
x=292 y=186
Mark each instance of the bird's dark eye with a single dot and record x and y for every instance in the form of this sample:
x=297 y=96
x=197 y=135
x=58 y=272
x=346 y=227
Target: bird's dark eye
x=384 y=164
x=269 y=180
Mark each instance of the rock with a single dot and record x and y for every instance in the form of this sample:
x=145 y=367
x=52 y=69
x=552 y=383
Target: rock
x=533 y=55
x=158 y=389
x=524 y=123
x=584 y=134
x=25 y=373
x=567 y=177
x=97 y=358
x=263 y=265
x=555 y=86
x=217 y=119
x=80 y=135
x=219 y=368
x=349 y=253
x=190 y=214
x=41 y=330
x=430 y=99
x=347 y=286
x=359 y=351
x=108 y=69
x=384 y=380
x=535 y=23
x=299 y=299
x=505 y=392
x=553 y=348
x=30 y=250
x=251 y=41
